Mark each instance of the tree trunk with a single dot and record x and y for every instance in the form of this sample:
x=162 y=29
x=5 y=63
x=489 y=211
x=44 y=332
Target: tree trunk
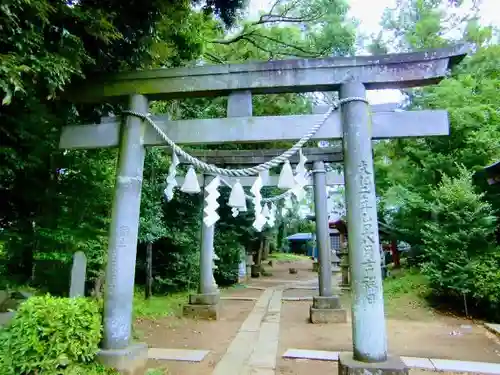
x=281 y=237
x=256 y=268
x=149 y=270
x=98 y=285
x=265 y=248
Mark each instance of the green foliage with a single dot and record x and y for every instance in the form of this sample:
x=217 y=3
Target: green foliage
x=486 y=294
x=159 y=306
x=287 y=257
x=419 y=24
x=408 y=170
x=408 y=282
x=405 y=294
x=56 y=202
x=51 y=335
x=288 y=29
x=461 y=233
x=230 y=250
x=156 y=371
x=151 y=226
x=425 y=184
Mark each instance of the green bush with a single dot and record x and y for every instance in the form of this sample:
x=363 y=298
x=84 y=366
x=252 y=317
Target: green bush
x=51 y=335
x=229 y=250
x=459 y=245
x=486 y=271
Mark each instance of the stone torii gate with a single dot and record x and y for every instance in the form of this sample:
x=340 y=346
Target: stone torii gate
x=326 y=307
x=351 y=76
x=205 y=304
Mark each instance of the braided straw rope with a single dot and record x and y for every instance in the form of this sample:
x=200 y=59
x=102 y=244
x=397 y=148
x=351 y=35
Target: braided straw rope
x=251 y=171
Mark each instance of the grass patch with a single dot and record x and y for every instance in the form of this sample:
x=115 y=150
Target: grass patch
x=405 y=291
x=287 y=257
x=157 y=371
x=159 y=306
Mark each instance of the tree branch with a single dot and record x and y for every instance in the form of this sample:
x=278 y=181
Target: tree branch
x=214 y=58
x=271 y=53
x=234 y=39
x=269 y=18
x=291 y=46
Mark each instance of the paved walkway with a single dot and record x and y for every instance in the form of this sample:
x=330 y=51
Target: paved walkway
x=254 y=349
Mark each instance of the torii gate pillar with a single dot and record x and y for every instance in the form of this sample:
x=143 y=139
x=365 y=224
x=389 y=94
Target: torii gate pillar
x=122 y=247
x=326 y=307
x=369 y=331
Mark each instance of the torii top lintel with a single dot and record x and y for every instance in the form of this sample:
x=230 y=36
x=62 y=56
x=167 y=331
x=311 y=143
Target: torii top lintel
x=295 y=75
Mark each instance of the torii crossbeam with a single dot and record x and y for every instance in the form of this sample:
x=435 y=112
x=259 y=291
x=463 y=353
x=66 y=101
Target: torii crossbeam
x=351 y=76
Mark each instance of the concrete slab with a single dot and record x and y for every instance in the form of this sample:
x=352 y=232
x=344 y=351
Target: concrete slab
x=266 y=347
x=263 y=357
x=6 y=317
x=319 y=355
x=177 y=354
x=415 y=362
x=305 y=298
x=493 y=328
x=236 y=298
x=411 y=362
x=236 y=358
x=464 y=366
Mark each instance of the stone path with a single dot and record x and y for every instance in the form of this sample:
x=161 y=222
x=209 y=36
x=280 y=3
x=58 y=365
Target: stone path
x=254 y=349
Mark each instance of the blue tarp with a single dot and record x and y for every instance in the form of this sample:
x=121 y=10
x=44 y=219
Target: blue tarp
x=300 y=237
x=304 y=237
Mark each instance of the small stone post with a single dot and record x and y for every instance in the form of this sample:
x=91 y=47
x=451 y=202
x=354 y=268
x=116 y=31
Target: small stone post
x=117 y=350
x=248 y=265
x=205 y=304
x=368 y=321
x=78 y=275
x=242 y=267
x=344 y=265
x=326 y=307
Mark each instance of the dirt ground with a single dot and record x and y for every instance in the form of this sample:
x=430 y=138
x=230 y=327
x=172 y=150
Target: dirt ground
x=241 y=292
x=180 y=333
x=281 y=275
x=414 y=331
x=445 y=338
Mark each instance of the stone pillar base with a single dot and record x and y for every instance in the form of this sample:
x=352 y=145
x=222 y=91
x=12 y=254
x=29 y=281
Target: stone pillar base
x=202 y=306
x=392 y=366
x=327 y=310
x=129 y=361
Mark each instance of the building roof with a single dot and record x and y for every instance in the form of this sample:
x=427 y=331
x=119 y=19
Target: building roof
x=300 y=237
x=493 y=173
